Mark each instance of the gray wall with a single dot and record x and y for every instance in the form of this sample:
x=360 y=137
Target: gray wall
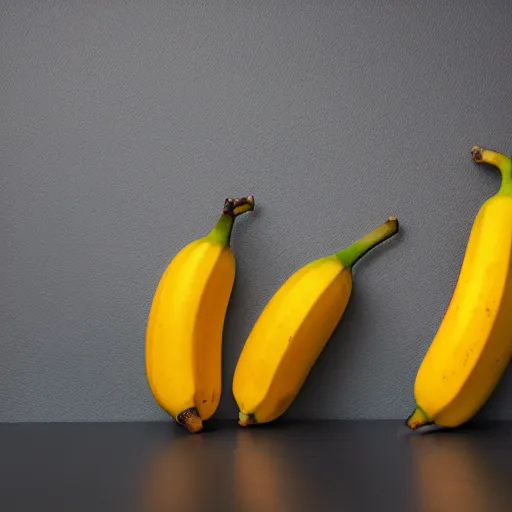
x=124 y=125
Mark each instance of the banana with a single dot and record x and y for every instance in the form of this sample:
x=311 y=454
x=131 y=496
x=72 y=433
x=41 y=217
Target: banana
x=473 y=344
x=186 y=320
x=293 y=329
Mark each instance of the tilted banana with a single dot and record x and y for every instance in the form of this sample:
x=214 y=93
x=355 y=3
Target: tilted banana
x=293 y=329
x=473 y=344
x=186 y=321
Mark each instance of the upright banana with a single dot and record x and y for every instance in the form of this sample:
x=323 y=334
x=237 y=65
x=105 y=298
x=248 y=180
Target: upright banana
x=473 y=344
x=293 y=329
x=186 y=320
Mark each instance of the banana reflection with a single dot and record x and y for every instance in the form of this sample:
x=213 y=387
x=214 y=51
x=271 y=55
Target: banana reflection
x=452 y=472
x=249 y=470
x=267 y=479
x=186 y=473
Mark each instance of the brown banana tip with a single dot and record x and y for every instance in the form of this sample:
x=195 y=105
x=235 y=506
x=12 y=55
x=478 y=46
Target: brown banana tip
x=237 y=206
x=418 y=419
x=245 y=420
x=476 y=153
x=394 y=220
x=191 y=420
x=412 y=425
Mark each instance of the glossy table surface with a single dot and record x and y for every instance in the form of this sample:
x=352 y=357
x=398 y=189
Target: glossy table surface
x=339 y=466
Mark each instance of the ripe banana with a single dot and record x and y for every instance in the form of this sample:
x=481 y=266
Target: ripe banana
x=293 y=329
x=186 y=320
x=473 y=344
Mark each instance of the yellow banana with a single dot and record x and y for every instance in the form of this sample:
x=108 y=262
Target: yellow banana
x=293 y=329
x=186 y=320
x=473 y=344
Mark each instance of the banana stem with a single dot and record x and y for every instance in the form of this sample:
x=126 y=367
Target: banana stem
x=499 y=160
x=221 y=233
x=350 y=255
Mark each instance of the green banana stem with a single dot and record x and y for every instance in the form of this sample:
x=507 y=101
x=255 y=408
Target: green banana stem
x=221 y=232
x=350 y=255
x=501 y=161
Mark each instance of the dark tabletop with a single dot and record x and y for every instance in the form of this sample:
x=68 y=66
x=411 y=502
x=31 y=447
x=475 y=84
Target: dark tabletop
x=339 y=466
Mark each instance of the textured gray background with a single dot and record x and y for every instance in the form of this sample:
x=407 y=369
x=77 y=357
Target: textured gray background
x=125 y=124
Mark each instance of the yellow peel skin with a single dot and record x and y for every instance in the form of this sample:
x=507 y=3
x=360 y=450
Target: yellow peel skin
x=281 y=348
x=293 y=329
x=473 y=344
x=185 y=324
